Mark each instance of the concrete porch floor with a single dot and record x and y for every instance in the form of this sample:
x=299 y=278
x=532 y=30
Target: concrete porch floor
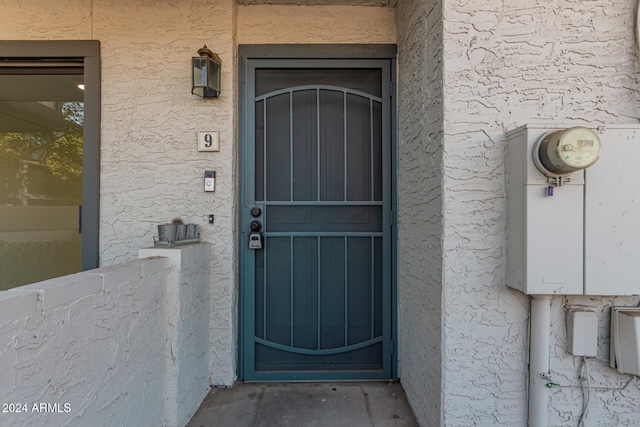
x=348 y=404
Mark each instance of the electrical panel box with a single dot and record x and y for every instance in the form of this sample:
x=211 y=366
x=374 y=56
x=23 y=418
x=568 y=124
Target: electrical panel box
x=544 y=233
x=578 y=235
x=612 y=216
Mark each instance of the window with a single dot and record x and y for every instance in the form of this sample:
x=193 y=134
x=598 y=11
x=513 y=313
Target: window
x=49 y=159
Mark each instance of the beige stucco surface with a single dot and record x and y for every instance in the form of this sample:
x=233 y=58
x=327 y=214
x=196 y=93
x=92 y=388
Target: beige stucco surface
x=316 y=24
x=150 y=170
x=468 y=72
x=379 y=3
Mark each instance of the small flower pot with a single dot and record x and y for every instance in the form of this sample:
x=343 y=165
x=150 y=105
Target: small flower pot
x=182 y=232
x=167 y=232
x=192 y=231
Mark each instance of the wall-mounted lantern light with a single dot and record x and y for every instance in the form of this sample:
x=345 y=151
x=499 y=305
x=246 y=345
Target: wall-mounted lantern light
x=206 y=74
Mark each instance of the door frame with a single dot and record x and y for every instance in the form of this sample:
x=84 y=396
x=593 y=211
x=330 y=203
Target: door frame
x=247 y=53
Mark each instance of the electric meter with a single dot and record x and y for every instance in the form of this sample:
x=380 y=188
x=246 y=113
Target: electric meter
x=562 y=152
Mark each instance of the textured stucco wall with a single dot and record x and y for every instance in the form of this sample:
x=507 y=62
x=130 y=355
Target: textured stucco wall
x=32 y=20
x=507 y=64
x=93 y=341
x=187 y=319
x=317 y=24
x=615 y=398
x=378 y=3
x=120 y=345
x=503 y=65
x=468 y=71
x=420 y=220
x=151 y=170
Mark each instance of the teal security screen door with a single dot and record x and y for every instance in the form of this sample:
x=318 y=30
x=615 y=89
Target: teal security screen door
x=316 y=220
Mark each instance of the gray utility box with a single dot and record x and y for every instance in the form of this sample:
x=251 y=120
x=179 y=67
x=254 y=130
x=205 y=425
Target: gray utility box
x=585 y=239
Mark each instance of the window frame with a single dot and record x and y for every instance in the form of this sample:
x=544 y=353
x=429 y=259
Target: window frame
x=89 y=52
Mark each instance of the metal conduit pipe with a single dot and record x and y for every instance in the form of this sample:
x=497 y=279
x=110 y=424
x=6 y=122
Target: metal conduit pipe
x=539 y=331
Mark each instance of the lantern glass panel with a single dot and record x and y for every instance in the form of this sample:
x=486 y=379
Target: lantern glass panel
x=206 y=77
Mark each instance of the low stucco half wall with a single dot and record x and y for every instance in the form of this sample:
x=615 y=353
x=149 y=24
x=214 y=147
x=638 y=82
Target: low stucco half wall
x=122 y=345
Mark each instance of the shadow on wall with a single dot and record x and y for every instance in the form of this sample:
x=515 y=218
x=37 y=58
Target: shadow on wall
x=112 y=345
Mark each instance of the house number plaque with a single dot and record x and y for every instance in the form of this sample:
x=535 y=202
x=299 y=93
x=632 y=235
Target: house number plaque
x=209 y=141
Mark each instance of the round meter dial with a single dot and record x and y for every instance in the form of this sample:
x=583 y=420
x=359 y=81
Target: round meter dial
x=568 y=150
